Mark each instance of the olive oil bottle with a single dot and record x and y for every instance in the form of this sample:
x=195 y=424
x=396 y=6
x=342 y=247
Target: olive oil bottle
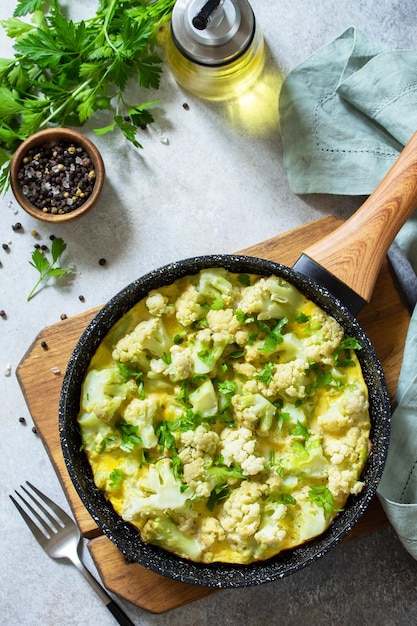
x=214 y=48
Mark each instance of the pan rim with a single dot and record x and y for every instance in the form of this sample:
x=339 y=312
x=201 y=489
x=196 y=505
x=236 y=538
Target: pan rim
x=124 y=535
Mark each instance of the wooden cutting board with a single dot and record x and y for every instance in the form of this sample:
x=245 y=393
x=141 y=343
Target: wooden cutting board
x=40 y=373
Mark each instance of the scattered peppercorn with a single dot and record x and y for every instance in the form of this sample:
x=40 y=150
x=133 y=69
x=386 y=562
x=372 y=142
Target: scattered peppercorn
x=102 y=262
x=3 y=313
x=6 y=247
x=17 y=226
x=34 y=430
x=186 y=106
x=52 y=237
x=63 y=316
x=57 y=177
x=81 y=298
x=44 y=247
x=22 y=420
x=44 y=345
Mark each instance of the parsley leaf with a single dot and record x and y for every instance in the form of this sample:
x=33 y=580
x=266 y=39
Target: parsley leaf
x=27 y=6
x=322 y=496
x=273 y=336
x=48 y=269
x=265 y=376
x=116 y=478
x=300 y=430
x=130 y=437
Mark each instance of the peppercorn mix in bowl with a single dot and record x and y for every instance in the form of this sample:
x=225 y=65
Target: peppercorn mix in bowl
x=57 y=175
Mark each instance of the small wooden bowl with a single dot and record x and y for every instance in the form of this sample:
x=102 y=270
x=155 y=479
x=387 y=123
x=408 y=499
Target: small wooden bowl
x=47 y=136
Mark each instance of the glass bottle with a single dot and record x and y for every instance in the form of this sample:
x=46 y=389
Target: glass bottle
x=214 y=48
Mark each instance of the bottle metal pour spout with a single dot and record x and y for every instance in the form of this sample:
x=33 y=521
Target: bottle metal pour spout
x=202 y=19
x=215 y=49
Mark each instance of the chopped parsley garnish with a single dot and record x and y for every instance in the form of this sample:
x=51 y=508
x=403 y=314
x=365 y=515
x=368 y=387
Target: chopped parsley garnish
x=130 y=437
x=116 y=478
x=273 y=336
x=244 y=279
x=322 y=496
x=129 y=372
x=265 y=376
x=106 y=441
x=302 y=318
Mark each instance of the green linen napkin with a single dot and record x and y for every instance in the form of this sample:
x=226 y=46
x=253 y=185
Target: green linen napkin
x=345 y=114
x=397 y=490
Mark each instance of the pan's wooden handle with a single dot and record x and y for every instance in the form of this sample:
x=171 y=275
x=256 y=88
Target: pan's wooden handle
x=355 y=251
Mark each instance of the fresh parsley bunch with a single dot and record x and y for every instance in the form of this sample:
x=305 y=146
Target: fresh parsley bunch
x=63 y=71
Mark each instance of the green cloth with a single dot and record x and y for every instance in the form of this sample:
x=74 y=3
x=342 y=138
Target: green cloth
x=346 y=113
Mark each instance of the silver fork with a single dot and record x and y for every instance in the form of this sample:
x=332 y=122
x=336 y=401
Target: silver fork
x=60 y=537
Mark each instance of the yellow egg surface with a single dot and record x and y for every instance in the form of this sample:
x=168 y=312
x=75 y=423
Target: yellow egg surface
x=226 y=417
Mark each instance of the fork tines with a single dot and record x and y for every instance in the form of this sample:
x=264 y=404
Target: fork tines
x=41 y=528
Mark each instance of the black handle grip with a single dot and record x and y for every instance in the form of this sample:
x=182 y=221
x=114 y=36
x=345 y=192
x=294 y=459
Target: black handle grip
x=119 y=614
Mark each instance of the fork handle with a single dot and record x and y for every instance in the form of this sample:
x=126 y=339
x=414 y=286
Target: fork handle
x=118 y=613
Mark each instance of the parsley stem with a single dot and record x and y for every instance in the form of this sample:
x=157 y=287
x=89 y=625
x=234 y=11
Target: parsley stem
x=108 y=17
x=73 y=96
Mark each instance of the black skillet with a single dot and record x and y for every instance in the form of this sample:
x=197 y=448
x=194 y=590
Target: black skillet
x=338 y=274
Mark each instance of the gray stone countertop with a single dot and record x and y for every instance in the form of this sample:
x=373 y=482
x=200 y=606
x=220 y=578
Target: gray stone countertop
x=217 y=184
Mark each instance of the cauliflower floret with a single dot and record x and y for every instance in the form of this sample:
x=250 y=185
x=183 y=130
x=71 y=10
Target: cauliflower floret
x=197 y=443
x=180 y=367
x=351 y=409
x=322 y=344
x=312 y=519
x=307 y=459
x=238 y=446
x=214 y=285
x=289 y=379
x=251 y=354
x=157 y=303
x=333 y=420
x=206 y=349
x=141 y=413
x=341 y=482
x=245 y=369
x=357 y=487
x=354 y=403
x=163 y=532
x=159 y=490
x=242 y=337
x=204 y=399
x=271 y=298
x=104 y=391
x=210 y=532
x=270 y=534
x=223 y=320
x=196 y=450
x=337 y=450
x=254 y=409
x=149 y=336
x=241 y=512
x=195 y=475
x=187 y=306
